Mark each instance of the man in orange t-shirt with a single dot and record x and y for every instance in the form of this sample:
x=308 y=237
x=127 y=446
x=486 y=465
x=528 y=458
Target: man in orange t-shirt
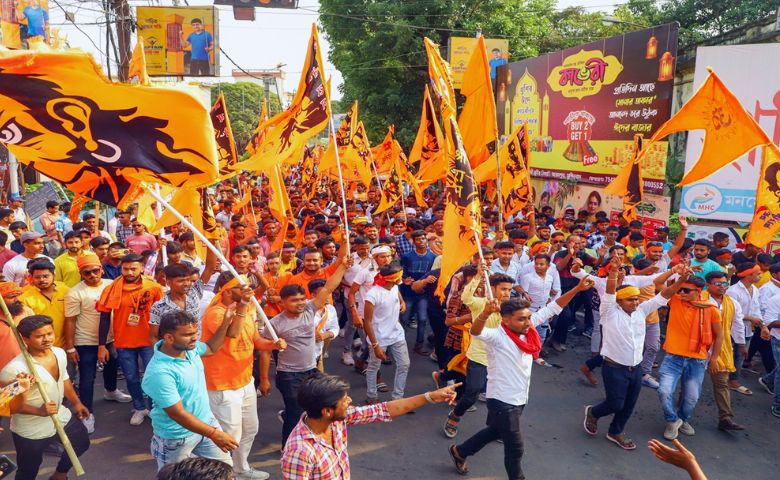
x=312 y=270
x=130 y=298
x=231 y=390
x=276 y=280
x=694 y=327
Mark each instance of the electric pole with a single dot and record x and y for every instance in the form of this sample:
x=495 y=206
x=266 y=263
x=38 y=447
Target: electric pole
x=124 y=28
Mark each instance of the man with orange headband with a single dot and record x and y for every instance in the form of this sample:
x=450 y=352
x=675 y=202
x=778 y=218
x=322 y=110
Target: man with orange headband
x=746 y=294
x=622 y=320
x=693 y=327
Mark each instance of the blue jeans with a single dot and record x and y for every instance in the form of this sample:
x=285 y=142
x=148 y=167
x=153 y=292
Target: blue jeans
x=690 y=373
x=174 y=450
x=128 y=360
x=400 y=354
x=88 y=371
x=773 y=378
x=476 y=380
x=417 y=304
x=288 y=383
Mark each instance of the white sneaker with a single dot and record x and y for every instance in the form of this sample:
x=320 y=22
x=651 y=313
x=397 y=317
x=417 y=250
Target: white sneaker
x=89 y=422
x=687 y=429
x=542 y=362
x=357 y=343
x=482 y=397
x=117 y=396
x=138 y=417
x=672 y=429
x=346 y=359
x=341 y=333
x=252 y=474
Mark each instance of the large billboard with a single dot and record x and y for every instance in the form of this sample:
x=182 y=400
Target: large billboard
x=181 y=41
x=752 y=73
x=24 y=21
x=584 y=105
x=461 y=48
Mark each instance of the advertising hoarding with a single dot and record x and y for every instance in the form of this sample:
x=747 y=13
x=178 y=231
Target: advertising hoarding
x=752 y=73
x=24 y=21
x=181 y=41
x=584 y=105
x=460 y=50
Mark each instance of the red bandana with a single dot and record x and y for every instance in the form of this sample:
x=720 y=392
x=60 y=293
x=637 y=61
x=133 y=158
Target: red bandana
x=531 y=346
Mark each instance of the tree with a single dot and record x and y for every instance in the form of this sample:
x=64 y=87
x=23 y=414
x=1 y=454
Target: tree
x=244 y=101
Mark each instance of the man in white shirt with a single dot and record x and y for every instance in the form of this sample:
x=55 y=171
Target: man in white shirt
x=622 y=320
x=327 y=323
x=381 y=314
x=746 y=294
x=15 y=269
x=511 y=348
x=541 y=287
x=504 y=262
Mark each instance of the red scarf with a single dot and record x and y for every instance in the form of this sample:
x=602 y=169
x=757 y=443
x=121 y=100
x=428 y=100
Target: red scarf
x=531 y=346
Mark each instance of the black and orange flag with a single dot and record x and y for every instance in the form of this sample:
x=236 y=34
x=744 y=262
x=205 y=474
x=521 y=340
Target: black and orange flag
x=307 y=115
x=61 y=116
x=440 y=76
x=462 y=223
x=392 y=189
x=258 y=135
x=730 y=131
x=428 y=149
x=137 y=69
x=514 y=157
x=344 y=133
x=223 y=135
x=628 y=183
x=766 y=217
x=477 y=121
x=357 y=156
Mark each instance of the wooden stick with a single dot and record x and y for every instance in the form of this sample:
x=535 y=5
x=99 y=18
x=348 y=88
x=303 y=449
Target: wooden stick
x=74 y=459
x=488 y=291
x=341 y=183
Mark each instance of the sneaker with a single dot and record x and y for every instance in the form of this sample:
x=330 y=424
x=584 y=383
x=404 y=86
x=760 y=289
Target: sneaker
x=434 y=357
x=482 y=397
x=357 y=343
x=341 y=333
x=776 y=411
x=382 y=387
x=649 y=381
x=766 y=386
x=280 y=416
x=673 y=429
x=89 y=422
x=687 y=429
x=117 y=396
x=252 y=474
x=472 y=409
x=573 y=328
x=325 y=357
x=542 y=362
x=588 y=333
x=137 y=418
x=346 y=359
x=413 y=324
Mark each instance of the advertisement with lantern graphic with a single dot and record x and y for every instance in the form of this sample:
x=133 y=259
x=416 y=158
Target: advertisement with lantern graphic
x=584 y=105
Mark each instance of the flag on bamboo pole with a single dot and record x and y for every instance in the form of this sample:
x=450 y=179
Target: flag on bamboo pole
x=223 y=135
x=137 y=67
x=75 y=208
x=344 y=133
x=258 y=134
x=730 y=131
x=406 y=175
x=440 y=80
x=766 y=217
x=428 y=149
x=64 y=118
x=307 y=167
x=514 y=156
x=307 y=115
x=357 y=155
x=392 y=189
x=388 y=152
x=462 y=224
x=628 y=183
x=477 y=120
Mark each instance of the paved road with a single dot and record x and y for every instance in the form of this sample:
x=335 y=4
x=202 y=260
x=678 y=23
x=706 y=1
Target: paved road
x=413 y=446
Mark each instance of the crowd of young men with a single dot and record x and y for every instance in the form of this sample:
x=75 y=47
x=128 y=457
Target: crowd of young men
x=195 y=353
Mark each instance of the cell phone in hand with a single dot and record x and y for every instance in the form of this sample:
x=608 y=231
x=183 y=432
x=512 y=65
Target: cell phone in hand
x=7 y=467
x=11 y=390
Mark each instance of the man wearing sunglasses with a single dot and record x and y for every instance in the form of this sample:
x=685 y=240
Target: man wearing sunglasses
x=693 y=327
x=82 y=321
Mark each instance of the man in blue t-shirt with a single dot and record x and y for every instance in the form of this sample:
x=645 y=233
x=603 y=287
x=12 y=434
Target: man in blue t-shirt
x=416 y=264
x=202 y=44
x=37 y=20
x=496 y=62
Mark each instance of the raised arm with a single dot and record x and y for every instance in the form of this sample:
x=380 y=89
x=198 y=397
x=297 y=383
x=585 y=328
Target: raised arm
x=678 y=242
x=333 y=282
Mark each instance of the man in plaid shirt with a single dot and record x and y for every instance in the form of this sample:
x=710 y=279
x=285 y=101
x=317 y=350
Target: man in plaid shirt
x=317 y=446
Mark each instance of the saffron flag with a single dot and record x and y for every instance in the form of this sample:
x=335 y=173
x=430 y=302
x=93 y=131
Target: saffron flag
x=730 y=131
x=344 y=133
x=137 y=69
x=307 y=115
x=61 y=116
x=462 y=224
x=428 y=149
x=477 y=120
x=406 y=175
x=357 y=155
x=766 y=219
x=223 y=135
x=514 y=156
x=258 y=135
x=392 y=189
x=440 y=80
x=75 y=208
x=278 y=201
x=628 y=183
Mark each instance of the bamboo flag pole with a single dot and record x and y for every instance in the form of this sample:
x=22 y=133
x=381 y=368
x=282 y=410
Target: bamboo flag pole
x=488 y=291
x=379 y=184
x=163 y=250
x=219 y=255
x=74 y=459
x=341 y=182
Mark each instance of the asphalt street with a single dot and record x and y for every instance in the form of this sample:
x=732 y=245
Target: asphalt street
x=413 y=446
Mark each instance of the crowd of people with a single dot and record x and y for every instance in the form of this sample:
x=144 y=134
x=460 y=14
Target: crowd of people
x=195 y=354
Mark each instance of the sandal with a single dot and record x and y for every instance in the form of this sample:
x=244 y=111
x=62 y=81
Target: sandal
x=591 y=423
x=460 y=463
x=382 y=387
x=742 y=389
x=621 y=441
x=451 y=427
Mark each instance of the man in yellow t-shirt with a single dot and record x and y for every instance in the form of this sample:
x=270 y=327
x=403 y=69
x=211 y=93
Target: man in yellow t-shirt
x=45 y=296
x=66 y=265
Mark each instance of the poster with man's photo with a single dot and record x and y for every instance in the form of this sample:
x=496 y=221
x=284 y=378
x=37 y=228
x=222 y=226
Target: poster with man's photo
x=23 y=22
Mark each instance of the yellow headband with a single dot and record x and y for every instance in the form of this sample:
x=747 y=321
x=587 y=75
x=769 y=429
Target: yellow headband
x=627 y=292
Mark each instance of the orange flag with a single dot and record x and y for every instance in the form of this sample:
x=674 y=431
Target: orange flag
x=358 y=156
x=137 y=67
x=515 y=171
x=428 y=148
x=259 y=133
x=223 y=135
x=477 y=120
x=462 y=224
x=386 y=152
x=307 y=115
x=730 y=131
x=392 y=189
x=440 y=80
x=766 y=219
x=628 y=183
x=75 y=207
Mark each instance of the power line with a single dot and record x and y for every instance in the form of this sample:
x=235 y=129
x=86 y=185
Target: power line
x=79 y=29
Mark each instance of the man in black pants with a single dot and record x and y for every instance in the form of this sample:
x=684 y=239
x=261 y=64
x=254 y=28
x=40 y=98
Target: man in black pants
x=31 y=427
